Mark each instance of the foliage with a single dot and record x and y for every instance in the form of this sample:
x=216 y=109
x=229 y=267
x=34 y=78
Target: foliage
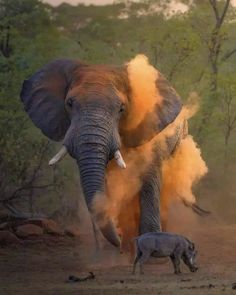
x=25 y=33
x=194 y=50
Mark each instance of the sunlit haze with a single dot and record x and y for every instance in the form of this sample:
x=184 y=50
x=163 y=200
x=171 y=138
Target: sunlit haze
x=96 y=2
x=75 y=2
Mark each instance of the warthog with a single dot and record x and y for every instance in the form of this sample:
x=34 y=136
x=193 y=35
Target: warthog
x=162 y=244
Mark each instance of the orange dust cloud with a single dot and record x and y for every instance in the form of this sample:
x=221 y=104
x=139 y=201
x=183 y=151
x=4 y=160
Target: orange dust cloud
x=142 y=78
x=180 y=173
x=179 y=165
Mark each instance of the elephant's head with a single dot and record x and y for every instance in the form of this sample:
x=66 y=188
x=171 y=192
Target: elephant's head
x=96 y=109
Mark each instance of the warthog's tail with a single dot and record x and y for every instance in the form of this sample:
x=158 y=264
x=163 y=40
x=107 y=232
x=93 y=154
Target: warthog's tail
x=138 y=251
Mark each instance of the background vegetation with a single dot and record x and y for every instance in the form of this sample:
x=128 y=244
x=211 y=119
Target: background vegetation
x=195 y=50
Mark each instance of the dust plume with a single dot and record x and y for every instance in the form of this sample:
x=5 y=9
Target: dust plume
x=142 y=79
x=123 y=186
x=180 y=173
x=177 y=158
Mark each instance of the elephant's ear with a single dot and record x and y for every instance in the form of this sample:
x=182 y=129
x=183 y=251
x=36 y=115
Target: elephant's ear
x=43 y=96
x=153 y=103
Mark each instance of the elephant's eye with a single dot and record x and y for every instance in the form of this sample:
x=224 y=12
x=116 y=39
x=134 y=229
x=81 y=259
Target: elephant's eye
x=122 y=108
x=69 y=102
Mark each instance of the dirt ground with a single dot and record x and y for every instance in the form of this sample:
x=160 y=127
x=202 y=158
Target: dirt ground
x=42 y=267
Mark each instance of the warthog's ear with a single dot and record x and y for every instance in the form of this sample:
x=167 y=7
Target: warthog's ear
x=191 y=246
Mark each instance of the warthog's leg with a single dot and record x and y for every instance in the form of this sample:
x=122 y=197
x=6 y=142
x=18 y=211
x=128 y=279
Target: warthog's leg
x=138 y=255
x=143 y=258
x=175 y=258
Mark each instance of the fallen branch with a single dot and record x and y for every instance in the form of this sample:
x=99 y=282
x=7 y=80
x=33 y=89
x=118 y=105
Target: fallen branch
x=16 y=214
x=74 y=279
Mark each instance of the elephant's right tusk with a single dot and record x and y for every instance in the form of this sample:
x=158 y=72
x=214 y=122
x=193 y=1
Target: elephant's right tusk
x=61 y=154
x=119 y=159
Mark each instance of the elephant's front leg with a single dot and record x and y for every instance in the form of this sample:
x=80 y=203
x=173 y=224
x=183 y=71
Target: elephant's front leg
x=150 y=220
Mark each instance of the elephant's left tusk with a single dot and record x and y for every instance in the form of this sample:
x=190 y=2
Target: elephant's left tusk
x=58 y=156
x=119 y=159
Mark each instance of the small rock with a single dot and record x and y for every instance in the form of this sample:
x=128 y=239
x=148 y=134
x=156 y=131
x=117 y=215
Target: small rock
x=211 y=286
x=8 y=238
x=4 y=225
x=49 y=225
x=185 y=280
x=26 y=230
x=72 y=231
x=234 y=286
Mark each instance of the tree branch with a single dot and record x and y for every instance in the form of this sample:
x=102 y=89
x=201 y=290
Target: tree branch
x=16 y=193
x=228 y=55
x=215 y=9
x=219 y=19
x=36 y=169
x=224 y=13
x=30 y=184
x=23 y=215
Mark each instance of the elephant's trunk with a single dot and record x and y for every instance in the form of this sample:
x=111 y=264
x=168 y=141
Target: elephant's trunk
x=92 y=171
x=90 y=147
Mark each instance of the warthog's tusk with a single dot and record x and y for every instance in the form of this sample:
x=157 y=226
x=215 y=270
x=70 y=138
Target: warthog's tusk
x=119 y=159
x=58 y=156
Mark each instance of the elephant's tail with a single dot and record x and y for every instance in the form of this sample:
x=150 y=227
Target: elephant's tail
x=196 y=209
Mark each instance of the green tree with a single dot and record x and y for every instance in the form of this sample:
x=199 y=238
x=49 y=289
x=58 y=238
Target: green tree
x=25 y=31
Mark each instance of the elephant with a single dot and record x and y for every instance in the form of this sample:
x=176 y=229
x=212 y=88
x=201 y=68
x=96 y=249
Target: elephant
x=126 y=127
